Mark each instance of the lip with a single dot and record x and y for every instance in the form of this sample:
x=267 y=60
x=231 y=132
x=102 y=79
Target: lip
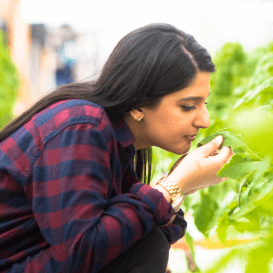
x=191 y=138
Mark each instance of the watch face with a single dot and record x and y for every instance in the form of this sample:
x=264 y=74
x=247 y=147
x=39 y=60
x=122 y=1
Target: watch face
x=177 y=202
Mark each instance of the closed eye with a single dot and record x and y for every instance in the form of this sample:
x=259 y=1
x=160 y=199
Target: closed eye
x=189 y=108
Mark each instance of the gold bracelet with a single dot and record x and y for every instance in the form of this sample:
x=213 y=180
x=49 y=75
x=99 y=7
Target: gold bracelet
x=171 y=187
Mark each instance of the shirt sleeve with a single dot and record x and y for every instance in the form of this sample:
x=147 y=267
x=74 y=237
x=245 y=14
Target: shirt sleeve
x=173 y=232
x=177 y=229
x=70 y=190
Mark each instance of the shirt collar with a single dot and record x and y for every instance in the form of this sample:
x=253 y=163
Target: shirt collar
x=123 y=133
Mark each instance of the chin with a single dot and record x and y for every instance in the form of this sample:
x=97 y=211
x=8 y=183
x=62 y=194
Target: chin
x=182 y=152
x=179 y=151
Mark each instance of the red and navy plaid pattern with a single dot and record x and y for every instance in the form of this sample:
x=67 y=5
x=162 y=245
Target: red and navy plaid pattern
x=70 y=200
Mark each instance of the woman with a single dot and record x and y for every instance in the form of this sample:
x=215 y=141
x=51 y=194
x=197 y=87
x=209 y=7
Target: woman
x=71 y=199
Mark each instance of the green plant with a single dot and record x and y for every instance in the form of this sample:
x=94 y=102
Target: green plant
x=9 y=82
x=242 y=206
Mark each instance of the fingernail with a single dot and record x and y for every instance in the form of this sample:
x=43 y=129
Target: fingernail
x=219 y=138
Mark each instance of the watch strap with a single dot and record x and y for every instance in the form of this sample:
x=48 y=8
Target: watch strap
x=174 y=191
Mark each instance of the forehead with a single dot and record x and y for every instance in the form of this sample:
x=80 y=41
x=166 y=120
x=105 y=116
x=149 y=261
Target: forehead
x=200 y=87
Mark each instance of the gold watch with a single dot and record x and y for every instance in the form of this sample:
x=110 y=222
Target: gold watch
x=174 y=191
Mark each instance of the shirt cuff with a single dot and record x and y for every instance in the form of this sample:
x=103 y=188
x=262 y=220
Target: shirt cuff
x=161 y=209
x=177 y=229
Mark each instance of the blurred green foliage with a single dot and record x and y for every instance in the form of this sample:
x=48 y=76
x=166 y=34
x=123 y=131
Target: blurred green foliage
x=9 y=82
x=241 y=108
x=231 y=69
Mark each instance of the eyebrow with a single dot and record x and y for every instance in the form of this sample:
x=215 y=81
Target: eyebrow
x=193 y=98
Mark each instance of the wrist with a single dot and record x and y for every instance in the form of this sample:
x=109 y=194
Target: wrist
x=177 y=180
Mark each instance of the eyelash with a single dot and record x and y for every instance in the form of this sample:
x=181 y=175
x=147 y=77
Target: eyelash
x=190 y=108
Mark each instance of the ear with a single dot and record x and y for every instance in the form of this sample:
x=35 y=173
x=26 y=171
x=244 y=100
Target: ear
x=136 y=113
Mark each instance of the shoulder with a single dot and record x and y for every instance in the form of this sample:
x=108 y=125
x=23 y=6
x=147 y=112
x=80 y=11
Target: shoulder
x=70 y=110
x=54 y=118
x=85 y=119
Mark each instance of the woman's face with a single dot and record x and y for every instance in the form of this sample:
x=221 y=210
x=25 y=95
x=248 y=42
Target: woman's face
x=176 y=117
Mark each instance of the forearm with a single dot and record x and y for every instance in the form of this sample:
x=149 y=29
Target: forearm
x=164 y=192
x=167 y=197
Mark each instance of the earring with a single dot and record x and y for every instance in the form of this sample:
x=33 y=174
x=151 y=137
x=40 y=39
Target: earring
x=139 y=119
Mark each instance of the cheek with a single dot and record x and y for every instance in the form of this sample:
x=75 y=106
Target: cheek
x=169 y=124
x=179 y=126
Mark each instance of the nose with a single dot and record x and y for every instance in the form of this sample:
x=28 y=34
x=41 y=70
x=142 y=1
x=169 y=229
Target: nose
x=202 y=119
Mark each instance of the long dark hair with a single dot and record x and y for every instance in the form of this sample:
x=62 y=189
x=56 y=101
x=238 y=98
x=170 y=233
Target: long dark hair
x=147 y=64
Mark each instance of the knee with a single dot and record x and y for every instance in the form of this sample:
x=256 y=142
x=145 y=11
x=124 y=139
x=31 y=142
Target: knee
x=159 y=234
x=159 y=240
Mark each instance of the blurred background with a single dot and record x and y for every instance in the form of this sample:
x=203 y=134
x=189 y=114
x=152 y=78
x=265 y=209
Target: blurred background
x=44 y=44
x=57 y=42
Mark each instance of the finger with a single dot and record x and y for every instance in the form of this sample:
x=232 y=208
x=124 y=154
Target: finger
x=219 y=180
x=231 y=155
x=223 y=156
x=211 y=146
x=223 y=179
x=212 y=183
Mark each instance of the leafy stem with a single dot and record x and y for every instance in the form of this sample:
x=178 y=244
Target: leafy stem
x=240 y=191
x=252 y=152
x=244 y=183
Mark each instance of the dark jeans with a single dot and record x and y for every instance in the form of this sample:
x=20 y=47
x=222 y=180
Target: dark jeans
x=147 y=255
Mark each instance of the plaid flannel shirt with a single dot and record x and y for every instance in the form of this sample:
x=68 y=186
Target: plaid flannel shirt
x=70 y=200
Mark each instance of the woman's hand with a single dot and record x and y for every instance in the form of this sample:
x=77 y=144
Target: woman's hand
x=198 y=169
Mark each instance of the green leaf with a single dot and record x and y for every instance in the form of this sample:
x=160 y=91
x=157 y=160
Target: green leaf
x=256 y=133
x=229 y=139
x=205 y=214
x=239 y=150
x=266 y=86
x=222 y=227
x=236 y=170
x=266 y=208
x=249 y=223
x=259 y=257
x=257 y=194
